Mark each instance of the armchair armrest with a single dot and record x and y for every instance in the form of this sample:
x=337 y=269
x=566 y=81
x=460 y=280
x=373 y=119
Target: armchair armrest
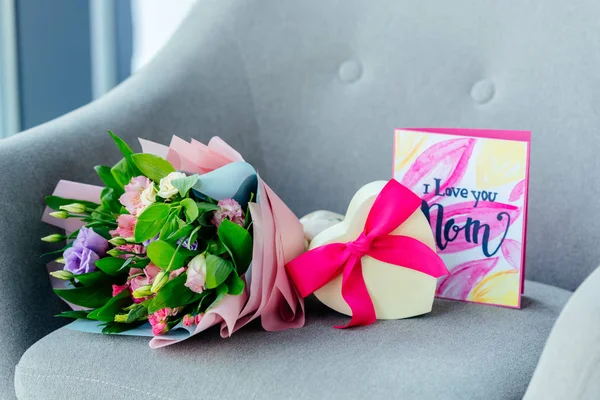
x=31 y=164
x=569 y=367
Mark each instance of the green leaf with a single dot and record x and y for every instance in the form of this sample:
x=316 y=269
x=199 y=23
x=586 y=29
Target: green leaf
x=73 y=314
x=152 y=166
x=248 y=219
x=206 y=297
x=139 y=312
x=92 y=278
x=151 y=221
x=183 y=185
x=54 y=202
x=122 y=172
x=118 y=327
x=194 y=235
x=206 y=207
x=173 y=294
x=222 y=290
x=103 y=231
x=111 y=265
x=126 y=151
x=60 y=251
x=123 y=147
x=171 y=226
x=87 y=296
x=238 y=242
x=216 y=247
x=162 y=254
x=235 y=284
x=180 y=233
x=190 y=209
x=107 y=312
x=108 y=179
x=217 y=270
x=110 y=200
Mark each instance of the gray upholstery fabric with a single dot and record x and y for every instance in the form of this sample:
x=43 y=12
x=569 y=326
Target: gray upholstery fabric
x=576 y=334
x=459 y=351
x=310 y=92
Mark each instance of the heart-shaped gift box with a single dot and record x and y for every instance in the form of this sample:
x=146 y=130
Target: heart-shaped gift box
x=379 y=262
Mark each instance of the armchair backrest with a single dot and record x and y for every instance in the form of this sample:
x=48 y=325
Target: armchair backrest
x=311 y=91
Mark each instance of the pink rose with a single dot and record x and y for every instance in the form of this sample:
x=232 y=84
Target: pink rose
x=196 y=274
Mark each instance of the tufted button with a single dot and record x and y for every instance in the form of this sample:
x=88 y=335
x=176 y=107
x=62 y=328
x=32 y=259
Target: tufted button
x=350 y=71
x=483 y=91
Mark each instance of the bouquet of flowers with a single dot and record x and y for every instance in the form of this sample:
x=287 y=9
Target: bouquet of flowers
x=181 y=238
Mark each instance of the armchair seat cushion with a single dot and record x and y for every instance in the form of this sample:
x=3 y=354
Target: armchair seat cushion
x=459 y=351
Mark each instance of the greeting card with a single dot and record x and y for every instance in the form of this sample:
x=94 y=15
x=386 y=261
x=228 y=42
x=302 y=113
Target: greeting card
x=473 y=185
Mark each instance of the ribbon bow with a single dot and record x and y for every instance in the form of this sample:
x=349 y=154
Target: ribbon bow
x=392 y=207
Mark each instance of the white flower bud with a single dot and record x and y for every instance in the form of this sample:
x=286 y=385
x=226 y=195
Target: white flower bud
x=55 y=237
x=117 y=241
x=142 y=291
x=121 y=318
x=113 y=253
x=59 y=214
x=62 y=274
x=76 y=208
x=159 y=281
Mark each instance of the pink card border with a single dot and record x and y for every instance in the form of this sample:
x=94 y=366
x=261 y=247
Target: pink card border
x=515 y=135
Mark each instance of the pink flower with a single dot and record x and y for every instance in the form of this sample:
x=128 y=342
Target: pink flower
x=116 y=289
x=126 y=226
x=159 y=328
x=229 y=209
x=189 y=320
x=196 y=274
x=139 y=278
x=163 y=313
x=131 y=248
x=137 y=281
x=176 y=273
x=199 y=318
x=151 y=271
x=138 y=195
x=159 y=320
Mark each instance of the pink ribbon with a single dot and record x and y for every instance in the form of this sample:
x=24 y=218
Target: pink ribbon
x=393 y=206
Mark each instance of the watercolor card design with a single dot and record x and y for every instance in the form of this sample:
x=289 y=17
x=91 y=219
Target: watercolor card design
x=474 y=189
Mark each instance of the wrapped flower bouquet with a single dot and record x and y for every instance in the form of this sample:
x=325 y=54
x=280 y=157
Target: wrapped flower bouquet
x=181 y=238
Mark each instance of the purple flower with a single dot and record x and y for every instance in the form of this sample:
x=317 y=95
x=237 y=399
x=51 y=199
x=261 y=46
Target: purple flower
x=87 y=238
x=80 y=260
x=147 y=242
x=87 y=248
x=185 y=243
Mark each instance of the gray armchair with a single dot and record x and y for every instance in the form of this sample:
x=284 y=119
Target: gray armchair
x=310 y=91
